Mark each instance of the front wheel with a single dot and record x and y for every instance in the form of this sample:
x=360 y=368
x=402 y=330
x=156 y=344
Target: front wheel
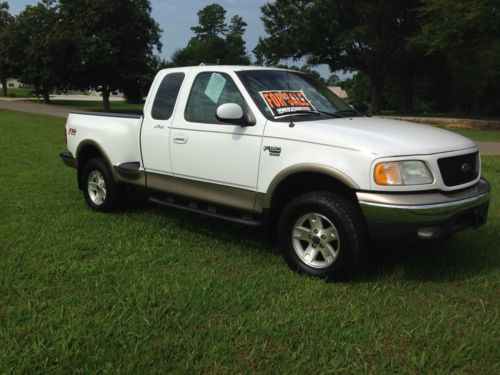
x=323 y=234
x=99 y=189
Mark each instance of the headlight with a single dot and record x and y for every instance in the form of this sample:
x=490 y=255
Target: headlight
x=407 y=172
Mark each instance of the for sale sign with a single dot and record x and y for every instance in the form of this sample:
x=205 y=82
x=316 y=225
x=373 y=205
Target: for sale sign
x=286 y=102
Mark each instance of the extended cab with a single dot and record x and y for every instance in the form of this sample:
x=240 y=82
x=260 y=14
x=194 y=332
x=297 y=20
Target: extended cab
x=268 y=146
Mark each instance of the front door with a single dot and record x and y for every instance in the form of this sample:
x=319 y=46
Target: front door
x=212 y=160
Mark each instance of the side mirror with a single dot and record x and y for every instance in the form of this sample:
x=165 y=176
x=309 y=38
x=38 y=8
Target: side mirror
x=232 y=113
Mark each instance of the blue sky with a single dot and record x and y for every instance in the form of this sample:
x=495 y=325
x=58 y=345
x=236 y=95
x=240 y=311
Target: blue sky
x=177 y=17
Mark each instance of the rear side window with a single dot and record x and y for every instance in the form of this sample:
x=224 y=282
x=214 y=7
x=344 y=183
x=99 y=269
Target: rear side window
x=164 y=103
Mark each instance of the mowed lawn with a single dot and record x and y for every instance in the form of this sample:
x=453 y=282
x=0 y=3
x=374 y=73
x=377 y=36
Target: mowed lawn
x=150 y=290
x=478 y=135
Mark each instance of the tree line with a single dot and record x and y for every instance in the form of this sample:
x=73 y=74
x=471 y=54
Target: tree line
x=407 y=56
x=105 y=44
x=424 y=55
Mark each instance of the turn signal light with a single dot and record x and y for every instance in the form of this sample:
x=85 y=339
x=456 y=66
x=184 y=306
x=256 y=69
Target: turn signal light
x=388 y=174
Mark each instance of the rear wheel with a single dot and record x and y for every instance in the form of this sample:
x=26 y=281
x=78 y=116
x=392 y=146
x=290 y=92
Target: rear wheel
x=99 y=189
x=323 y=234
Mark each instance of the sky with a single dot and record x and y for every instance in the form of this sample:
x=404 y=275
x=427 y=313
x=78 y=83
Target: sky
x=177 y=17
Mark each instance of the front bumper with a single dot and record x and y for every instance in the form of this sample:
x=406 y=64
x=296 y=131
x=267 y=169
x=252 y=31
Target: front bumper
x=415 y=217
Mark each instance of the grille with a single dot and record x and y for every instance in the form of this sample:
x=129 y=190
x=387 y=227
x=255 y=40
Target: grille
x=458 y=170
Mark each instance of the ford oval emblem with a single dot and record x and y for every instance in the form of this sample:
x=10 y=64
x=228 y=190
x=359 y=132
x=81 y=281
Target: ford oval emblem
x=466 y=167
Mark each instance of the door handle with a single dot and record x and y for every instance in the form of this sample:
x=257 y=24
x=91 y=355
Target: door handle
x=159 y=126
x=180 y=138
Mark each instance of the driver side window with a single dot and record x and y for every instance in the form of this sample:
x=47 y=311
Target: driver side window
x=209 y=91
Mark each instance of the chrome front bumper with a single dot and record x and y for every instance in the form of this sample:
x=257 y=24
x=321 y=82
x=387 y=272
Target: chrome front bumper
x=424 y=215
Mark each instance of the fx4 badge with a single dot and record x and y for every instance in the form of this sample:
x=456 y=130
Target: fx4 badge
x=71 y=131
x=273 y=150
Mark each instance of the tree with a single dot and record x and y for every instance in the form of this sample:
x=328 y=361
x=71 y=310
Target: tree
x=35 y=42
x=237 y=26
x=304 y=68
x=235 y=44
x=360 y=35
x=116 y=41
x=465 y=33
x=211 y=22
x=214 y=42
x=333 y=80
x=212 y=50
x=6 y=63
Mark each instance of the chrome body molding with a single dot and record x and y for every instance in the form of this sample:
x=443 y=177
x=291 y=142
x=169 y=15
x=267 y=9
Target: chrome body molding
x=422 y=207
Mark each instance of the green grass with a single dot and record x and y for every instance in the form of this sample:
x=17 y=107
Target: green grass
x=474 y=116
x=156 y=291
x=479 y=135
x=96 y=106
x=19 y=93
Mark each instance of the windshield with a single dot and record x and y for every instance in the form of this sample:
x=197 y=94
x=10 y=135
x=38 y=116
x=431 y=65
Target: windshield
x=280 y=94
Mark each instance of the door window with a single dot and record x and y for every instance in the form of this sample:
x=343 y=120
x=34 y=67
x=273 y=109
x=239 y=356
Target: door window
x=164 y=103
x=209 y=91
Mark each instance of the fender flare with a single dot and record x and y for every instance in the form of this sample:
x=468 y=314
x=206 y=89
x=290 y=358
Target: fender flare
x=264 y=200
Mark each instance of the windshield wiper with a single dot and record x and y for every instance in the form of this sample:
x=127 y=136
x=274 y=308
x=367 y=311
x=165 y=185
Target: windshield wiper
x=316 y=112
x=332 y=114
x=347 y=112
x=300 y=112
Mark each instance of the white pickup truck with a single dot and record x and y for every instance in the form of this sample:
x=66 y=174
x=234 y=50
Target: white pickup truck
x=268 y=146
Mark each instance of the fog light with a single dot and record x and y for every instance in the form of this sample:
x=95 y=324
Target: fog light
x=428 y=233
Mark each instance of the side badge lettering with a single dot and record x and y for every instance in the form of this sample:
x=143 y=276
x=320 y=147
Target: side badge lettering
x=273 y=150
x=71 y=131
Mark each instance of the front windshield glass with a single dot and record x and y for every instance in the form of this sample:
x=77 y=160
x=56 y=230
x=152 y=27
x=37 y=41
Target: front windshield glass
x=269 y=87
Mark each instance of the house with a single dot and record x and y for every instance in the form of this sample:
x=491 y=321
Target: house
x=339 y=91
x=13 y=83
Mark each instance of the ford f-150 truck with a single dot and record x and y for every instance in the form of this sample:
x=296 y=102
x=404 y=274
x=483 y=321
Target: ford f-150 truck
x=269 y=146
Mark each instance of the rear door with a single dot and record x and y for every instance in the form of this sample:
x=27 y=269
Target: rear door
x=155 y=133
x=212 y=160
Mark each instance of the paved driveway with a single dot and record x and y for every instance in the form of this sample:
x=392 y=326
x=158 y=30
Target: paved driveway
x=35 y=108
x=489 y=148
x=486 y=148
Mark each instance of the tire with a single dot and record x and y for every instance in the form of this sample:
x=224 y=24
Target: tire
x=323 y=235
x=100 y=190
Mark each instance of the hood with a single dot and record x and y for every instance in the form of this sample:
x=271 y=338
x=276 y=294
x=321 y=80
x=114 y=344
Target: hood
x=378 y=136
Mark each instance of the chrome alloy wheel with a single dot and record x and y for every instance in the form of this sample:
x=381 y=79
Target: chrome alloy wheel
x=315 y=240
x=96 y=187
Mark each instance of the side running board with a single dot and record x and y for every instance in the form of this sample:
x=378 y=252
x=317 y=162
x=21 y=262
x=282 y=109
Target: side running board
x=207 y=210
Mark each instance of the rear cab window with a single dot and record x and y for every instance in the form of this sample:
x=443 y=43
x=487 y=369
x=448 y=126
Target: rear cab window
x=166 y=96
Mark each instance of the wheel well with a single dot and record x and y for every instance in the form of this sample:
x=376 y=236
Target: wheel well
x=301 y=183
x=85 y=154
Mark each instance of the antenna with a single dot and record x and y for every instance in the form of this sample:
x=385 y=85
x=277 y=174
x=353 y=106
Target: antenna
x=288 y=74
x=291 y=124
